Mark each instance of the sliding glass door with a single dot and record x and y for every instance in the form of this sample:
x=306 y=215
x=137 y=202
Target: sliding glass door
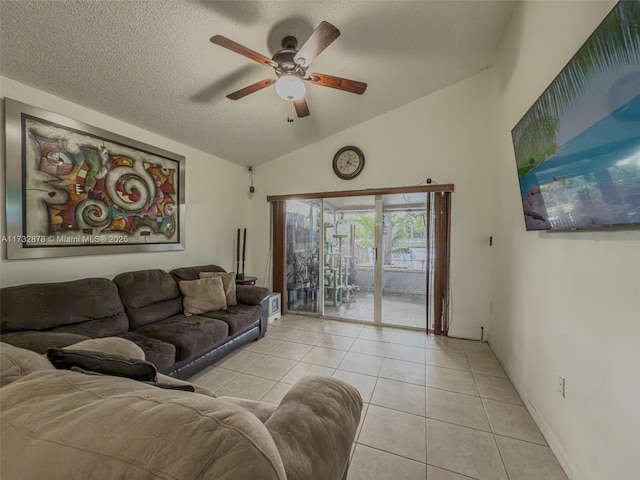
x=303 y=255
x=349 y=258
x=379 y=259
x=404 y=260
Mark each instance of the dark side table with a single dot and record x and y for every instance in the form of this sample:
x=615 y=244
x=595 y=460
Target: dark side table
x=247 y=280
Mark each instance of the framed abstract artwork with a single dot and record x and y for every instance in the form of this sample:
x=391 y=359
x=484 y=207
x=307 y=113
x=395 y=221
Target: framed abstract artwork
x=74 y=189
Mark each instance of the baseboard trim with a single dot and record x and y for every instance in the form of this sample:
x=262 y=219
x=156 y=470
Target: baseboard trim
x=554 y=444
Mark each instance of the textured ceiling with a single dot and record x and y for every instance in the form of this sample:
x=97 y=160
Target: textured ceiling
x=150 y=63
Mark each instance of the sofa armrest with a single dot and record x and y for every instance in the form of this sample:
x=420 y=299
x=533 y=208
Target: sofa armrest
x=314 y=428
x=251 y=295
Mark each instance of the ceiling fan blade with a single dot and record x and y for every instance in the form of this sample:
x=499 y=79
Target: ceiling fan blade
x=337 y=82
x=302 y=109
x=321 y=38
x=242 y=50
x=243 y=92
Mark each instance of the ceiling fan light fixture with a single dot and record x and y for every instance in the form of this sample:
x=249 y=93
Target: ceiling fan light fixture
x=290 y=88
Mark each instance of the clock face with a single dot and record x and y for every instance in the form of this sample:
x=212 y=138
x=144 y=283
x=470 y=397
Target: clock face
x=348 y=162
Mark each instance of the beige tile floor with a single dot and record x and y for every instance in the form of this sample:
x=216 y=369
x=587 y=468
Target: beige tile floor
x=434 y=408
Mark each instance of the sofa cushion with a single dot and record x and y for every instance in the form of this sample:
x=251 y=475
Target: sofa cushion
x=139 y=317
x=203 y=295
x=148 y=296
x=40 y=342
x=90 y=306
x=193 y=273
x=16 y=363
x=137 y=431
x=190 y=335
x=228 y=283
x=239 y=317
x=114 y=345
x=103 y=327
x=161 y=354
x=102 y=363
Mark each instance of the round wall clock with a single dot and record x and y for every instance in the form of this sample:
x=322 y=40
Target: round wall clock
x=348 y=162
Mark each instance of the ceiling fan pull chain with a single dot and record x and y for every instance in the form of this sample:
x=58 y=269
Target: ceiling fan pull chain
x=290 y=117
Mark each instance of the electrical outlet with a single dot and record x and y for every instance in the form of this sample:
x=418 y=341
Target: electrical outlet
x=490 y=307
x=561 y=386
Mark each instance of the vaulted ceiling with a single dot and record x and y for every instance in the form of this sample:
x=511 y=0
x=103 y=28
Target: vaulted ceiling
x=150 y=62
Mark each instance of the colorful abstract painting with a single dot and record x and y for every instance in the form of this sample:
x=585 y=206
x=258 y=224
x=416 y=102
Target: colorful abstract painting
x=82 y=189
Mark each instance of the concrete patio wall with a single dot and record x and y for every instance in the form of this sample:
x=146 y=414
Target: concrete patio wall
x=394 y=280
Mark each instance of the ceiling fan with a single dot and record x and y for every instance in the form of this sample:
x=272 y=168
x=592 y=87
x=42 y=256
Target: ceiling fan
x=290 y=65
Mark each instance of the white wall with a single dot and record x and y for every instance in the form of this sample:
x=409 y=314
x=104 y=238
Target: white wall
x=216 y=199
x=444 y=136
x=564 y=303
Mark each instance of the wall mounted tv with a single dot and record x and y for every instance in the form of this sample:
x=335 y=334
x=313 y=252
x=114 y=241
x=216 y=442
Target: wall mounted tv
x=577 y=149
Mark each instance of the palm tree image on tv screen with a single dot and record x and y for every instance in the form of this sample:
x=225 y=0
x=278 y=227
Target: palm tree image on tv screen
x=577 y=149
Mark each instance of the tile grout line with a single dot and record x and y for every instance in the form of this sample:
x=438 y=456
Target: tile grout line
x=496 y=399
x=367 y=412
x=394 y=454
x=263 y=378
x=426 y=423
x=451 y=471
x=493 y=435
x=501 y=459
x=268 y=391
x=402 y=411
x=233 y=371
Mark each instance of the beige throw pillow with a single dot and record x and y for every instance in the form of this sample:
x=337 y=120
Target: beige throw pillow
x=205 y=295
x=228 y=282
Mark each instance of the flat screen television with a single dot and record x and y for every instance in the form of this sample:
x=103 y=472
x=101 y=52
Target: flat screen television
x=577 y=148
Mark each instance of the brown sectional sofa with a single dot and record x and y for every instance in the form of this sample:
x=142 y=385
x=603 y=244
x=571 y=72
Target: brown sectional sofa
x=143 y=306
